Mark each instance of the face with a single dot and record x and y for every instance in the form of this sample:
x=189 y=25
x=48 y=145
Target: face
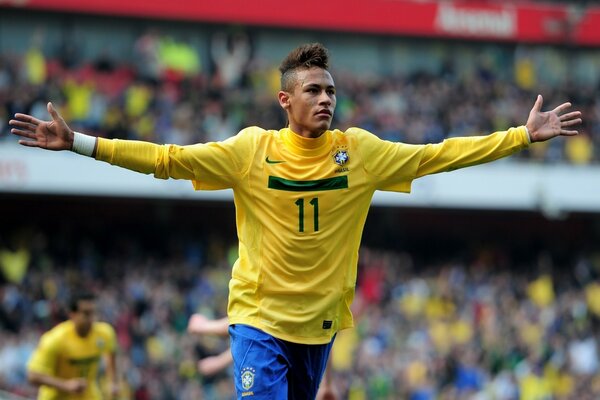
x=311 y=104
x=84 y=316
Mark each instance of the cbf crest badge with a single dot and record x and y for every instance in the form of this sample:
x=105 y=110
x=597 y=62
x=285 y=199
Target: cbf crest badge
x=340 y=157
x=248 y=378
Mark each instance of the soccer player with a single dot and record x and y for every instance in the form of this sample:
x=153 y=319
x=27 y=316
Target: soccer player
x=302 y=194
x=66 y=361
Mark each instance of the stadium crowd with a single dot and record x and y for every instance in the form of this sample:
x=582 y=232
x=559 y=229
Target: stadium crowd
x=169 y=95
x=481 y=326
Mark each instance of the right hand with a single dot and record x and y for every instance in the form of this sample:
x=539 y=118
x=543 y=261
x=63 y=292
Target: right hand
x=50 y=135
x=197 y=324
x=75 y=385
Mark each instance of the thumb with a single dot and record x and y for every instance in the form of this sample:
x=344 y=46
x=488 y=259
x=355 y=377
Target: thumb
x=53 y=112
x=537 y=107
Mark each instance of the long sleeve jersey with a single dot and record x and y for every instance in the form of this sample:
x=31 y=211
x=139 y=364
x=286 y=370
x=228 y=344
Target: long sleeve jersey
x=301 y=204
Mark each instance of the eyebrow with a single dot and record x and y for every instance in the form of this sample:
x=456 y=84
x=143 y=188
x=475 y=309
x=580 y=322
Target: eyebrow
x=308 y=85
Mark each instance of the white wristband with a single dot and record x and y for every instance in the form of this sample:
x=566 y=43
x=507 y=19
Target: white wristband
x=528 y=135
x=83 y=144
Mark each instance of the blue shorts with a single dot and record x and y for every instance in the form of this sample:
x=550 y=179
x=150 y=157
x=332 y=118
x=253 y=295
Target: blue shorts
x=268 y=368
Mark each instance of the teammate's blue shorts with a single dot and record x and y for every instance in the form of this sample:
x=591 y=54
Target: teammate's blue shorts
x=267 y=368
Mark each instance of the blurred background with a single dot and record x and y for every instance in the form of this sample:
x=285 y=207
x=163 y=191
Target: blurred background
x=482 y=284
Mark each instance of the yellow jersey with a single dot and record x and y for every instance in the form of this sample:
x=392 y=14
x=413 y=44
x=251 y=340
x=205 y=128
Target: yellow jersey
x=301 y=204
x=62 y=353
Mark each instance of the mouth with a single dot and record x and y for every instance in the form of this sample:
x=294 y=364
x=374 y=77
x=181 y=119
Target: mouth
x=324 y=113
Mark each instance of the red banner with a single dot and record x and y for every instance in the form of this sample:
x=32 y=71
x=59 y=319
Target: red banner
x=529 y=22
x=586 y=27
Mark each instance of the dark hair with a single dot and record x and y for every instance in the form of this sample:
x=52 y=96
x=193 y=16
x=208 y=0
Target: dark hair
x=305 y=57
x=77 y=297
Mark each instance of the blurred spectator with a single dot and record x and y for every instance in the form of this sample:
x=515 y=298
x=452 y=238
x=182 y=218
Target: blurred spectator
x=147 y=58
x=448 y=330
x=231 y=55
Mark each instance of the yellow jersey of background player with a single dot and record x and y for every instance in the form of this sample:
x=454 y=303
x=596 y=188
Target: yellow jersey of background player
x=66 y=362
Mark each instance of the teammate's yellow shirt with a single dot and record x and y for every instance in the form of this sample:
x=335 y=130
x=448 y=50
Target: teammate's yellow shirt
x=300 y=209
x=62 y=353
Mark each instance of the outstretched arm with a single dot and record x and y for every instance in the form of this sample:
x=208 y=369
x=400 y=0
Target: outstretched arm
x=462 y=152
x=134 y=155
x=220 y=164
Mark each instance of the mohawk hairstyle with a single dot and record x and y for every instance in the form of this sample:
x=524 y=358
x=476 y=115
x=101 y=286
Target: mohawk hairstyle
x=303 y=57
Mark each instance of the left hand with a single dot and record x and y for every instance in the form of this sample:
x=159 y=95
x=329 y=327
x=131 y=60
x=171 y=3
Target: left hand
x=546 y=125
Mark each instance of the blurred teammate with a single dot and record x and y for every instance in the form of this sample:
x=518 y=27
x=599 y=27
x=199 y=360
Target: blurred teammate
x=65 y=363
x=302 y=194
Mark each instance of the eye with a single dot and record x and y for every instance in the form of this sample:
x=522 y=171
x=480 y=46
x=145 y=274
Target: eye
x=331 y=92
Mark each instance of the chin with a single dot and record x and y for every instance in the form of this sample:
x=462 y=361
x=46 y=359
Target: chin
x=324 y=126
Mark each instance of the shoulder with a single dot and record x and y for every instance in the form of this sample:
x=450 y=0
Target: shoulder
x=253 y=131
x=104 y=328
x=359 y=133
x=56 y=335
x=63 y=328
x=357 y=138
x=249 y=136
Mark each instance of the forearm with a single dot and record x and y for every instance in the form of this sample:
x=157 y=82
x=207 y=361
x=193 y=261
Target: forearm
x=217 y=327
x=462 y=152
x=164 y=161
x=201 y=325
x=111 y=369
x=38 y=379
x=212 y=365
x=134 y=155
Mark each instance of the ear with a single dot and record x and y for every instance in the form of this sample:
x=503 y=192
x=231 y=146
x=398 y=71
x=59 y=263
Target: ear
x=284 y=99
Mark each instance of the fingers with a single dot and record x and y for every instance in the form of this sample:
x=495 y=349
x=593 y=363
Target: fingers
x=538 y=103
x=29 y=143
x=570 y=115
x=23 y=125
x=561 y=108
x=564 y=132
x=22 y=133
x=53 y=112
x=571 y=122
x=25 y=118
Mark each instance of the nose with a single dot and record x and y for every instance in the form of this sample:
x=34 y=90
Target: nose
x=324 y=98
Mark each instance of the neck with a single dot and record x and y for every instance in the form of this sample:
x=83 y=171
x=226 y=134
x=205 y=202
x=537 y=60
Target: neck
x=82 y=332
x=306 y=133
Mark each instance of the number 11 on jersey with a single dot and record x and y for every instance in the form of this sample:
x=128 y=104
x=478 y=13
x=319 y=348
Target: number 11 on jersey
x=314 y=202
